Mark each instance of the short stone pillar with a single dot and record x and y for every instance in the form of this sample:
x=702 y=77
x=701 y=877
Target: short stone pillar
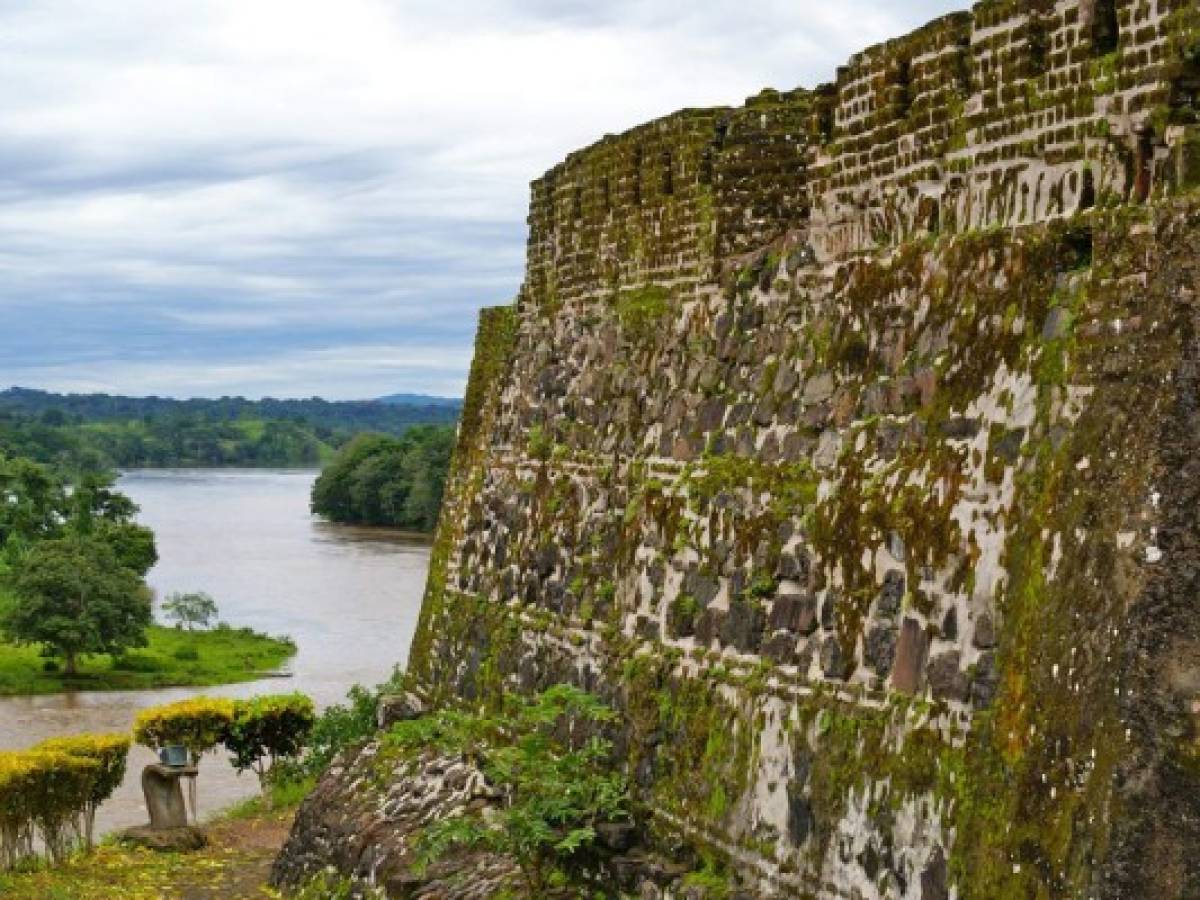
x=164 y=794
x=168 y=830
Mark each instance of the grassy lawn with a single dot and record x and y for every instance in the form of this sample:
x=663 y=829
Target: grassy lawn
x=173 y=658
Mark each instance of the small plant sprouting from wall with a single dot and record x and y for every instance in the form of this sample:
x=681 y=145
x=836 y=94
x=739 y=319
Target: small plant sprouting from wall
x=642 y=312
x=553 y=771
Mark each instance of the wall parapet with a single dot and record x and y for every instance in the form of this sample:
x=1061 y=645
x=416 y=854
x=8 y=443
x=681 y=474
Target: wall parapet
x=1018 y=112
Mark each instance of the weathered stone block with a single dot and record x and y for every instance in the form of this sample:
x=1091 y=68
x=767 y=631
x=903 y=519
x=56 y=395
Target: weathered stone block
x=794 y=613
x=879 y=648
x=743 y=627
x=985 y=632
x=891 y=594
x=835 y=663
x=946 y=678
x=911 y=649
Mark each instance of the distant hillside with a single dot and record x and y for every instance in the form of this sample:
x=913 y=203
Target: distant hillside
x=90 y=431
x=420 y=400
x=390 y=417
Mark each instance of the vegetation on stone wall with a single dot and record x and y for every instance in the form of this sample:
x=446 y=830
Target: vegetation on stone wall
x=554 y=775
x=494 y=345
x=1028 y=316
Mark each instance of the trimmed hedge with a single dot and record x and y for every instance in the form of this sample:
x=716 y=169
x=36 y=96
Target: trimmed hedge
x=47 y=794
x=110 y=752
x=198 y=724
x=267 y=729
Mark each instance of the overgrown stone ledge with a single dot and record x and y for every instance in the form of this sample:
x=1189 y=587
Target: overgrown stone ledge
x=360 y=823
x=357 y=834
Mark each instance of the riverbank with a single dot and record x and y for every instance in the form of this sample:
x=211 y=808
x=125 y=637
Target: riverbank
x=173 y=658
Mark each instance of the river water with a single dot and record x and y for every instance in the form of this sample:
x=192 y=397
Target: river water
x=348 y=596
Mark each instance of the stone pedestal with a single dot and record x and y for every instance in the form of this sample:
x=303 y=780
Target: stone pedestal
x=164 y=795
x=166 y=840
x=168 y=830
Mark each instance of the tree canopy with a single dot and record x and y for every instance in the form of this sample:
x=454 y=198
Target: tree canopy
x=99 y=431
x=378 y=479
x=190 y=609
x=74 y=597
x=38 y=504
x=75 y=559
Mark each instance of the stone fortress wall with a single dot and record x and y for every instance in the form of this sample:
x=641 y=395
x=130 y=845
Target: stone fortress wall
x=847 y=441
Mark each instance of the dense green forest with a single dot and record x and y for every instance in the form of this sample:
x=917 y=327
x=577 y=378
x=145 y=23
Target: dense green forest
x=378 y=479
x=391 y=415
x=99 y=431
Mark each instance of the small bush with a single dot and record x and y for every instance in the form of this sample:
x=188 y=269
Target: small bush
x=110 y=752
x=558 y=783
x=267 y=729
x=186 y=653
x=338 y=727
x=198 y=724
x=43 y=794
x=139 y=661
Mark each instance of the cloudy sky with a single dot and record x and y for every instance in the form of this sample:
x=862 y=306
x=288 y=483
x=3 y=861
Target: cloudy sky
x=288 y=197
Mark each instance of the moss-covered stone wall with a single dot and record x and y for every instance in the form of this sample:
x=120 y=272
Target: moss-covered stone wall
x=884 y=538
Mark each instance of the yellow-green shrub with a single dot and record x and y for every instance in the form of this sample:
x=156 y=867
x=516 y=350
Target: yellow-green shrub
x=266 y=729
x=46 y=791
x=198 y=724
x=110 y=752
x=16 y=808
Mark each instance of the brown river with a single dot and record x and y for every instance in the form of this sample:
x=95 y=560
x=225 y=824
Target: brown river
x=348 y=596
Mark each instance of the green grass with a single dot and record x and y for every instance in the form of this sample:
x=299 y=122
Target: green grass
x=173 y=658
x=236 y=863
x=286 y=794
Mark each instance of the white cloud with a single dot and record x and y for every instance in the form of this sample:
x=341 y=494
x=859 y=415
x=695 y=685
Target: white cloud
x=327 y=175
x=336 y=372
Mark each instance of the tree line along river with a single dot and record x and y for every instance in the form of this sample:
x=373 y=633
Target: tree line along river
x=349 y=597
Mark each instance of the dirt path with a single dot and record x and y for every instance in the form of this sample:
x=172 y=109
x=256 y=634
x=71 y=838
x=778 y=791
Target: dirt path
x=234 y=866
x=253 y=843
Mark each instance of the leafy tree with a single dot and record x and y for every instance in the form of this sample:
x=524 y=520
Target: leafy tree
x=132 y=544
x=190 y=609
x=552 y=769
x=32 y=503
x=37 y=504
x=74 y=597
x=268 y=729
x=377 y=479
